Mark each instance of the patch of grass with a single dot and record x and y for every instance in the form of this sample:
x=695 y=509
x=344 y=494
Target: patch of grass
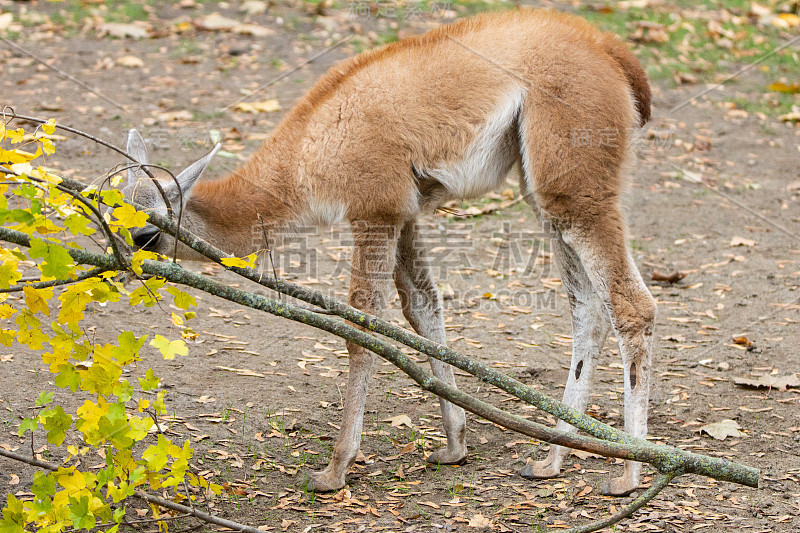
x=186 y=47
x=703 y=48
x=126 y=12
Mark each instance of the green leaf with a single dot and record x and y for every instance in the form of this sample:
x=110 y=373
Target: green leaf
x=78 y=224
x=79 y=513
x=112 y=197
x=123 y=390
x=13 y=516
x=169 y=349
x=182 y=299
x=57 y=261
x=28 y=424
x=148 y=294
x=128 y=350
x=68 y=377
x=149 y=381
x=45 y=397
x=56 y=422
x=43 y=485
x=139 y=427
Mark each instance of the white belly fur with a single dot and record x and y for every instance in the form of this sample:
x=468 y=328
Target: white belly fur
x=490 y=157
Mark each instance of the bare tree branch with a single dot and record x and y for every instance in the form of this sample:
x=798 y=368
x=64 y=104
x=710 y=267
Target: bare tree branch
x=666 y=459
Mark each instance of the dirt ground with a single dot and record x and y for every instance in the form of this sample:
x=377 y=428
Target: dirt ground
x=715 y=194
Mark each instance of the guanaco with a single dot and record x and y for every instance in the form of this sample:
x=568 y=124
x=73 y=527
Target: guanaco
x=395 y=132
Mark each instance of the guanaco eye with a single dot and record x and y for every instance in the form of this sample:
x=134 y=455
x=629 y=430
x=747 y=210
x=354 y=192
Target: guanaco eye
x=147 y=239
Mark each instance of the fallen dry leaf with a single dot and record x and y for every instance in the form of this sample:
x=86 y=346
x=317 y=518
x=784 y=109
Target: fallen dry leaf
x=722 y=429
x=242 y=372
x=130 y=62
x=479 y=521
x=741 y=241
x=264 y=106
x=170 y=116
x=793 y=116
x=675 y=277
x=769 y=381
x=253 y=29
x=784 y=88
x=205 y=399
x=215 y=22
x=121 y=30
x=5 y=20
x=785 y=21
x=253 y=7
x=742 y=341
x=400 y=420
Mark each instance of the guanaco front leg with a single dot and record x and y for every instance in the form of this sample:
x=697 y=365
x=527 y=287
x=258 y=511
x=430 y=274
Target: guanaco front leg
x=422 y=307
x=374 y=247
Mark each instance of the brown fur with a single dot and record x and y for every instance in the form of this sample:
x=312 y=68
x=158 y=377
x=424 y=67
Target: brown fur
x=354 y=131
x=637 y=78
x=392 y=132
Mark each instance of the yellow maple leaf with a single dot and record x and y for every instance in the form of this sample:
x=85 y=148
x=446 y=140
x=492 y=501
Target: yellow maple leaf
x=15 y=136
x=49 y=127
x=240 y=262
x=169 y=348
x=36 y=299
x=72 y=482
x=127 y=216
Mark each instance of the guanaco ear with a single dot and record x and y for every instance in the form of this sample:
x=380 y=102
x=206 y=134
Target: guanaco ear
x=138 y=151
x=188 y=177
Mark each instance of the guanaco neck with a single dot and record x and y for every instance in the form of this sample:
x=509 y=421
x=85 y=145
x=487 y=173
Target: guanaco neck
x=234 y=212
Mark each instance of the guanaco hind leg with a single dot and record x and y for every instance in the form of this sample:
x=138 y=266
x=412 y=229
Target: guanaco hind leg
x=577 y=190
x=590 y=328
x=632 y=311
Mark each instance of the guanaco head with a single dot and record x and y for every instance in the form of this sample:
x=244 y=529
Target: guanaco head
x=141 y=189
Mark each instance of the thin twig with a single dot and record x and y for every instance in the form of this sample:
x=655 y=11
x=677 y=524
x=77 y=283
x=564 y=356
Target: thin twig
x=269 y=252
x=29 y=460
x=135 y=523
x=56 y=282
x=211 y=519
x=9 y=111
x=659 y=484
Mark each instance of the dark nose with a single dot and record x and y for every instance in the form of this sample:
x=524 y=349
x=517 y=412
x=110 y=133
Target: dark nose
x=147 y=240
